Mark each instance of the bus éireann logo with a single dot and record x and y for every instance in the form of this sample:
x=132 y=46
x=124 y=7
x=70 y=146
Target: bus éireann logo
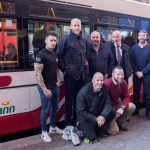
x=7 y=110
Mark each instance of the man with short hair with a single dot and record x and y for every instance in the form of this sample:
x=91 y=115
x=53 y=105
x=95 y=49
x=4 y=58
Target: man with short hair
x=100 y=57
x=72 y=53
x=141 y=72
x=121 y=54
x=47 y=75
x=93 y=109
x=119 y=96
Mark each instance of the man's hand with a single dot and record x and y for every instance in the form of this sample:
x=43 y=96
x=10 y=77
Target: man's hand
x=139 y=74
x=119 y=112
x=47 y=93
x=65 y=73
x=100 y=120
x=105 y=76
x=58 y=83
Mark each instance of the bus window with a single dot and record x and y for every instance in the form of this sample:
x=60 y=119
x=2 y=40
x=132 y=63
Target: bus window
x=129 y=36
x=8 y=46
x=37 y=31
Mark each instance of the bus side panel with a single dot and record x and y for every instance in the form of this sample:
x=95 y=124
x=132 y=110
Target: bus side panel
x=14 y=114
x=14 y=123
x=35 y=107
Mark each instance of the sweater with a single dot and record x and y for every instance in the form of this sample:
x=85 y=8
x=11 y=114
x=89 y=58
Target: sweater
x=101 y=61
x=118 y=91
x=141 y=59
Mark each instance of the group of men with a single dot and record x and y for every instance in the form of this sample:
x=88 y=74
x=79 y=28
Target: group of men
x=98 y=108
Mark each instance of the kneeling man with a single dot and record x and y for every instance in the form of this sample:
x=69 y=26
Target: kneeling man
x=93 y=109
x=119 y=96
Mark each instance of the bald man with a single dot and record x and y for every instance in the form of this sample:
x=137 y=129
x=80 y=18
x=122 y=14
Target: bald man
x=94 y=110
x=100 y=57
x=72 y=53
x=121 y=54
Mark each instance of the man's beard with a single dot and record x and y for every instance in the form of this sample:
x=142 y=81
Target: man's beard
x=95 y=44
x=142 y=41
x=117 y=80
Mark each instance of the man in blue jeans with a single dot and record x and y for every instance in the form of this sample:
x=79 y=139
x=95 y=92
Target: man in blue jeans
x=46 y=71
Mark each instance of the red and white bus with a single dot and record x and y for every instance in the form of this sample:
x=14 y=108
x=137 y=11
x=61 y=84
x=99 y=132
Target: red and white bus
x=19 y=21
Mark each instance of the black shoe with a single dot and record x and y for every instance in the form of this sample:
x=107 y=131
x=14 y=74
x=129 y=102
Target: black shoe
x=102 y=135
x=122 y=128
x=148 y=116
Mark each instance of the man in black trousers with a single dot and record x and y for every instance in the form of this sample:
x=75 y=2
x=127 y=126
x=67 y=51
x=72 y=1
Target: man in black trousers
x=93 y=109
x=72 y=54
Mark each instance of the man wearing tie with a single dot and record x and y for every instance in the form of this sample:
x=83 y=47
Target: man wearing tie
x=121 y=54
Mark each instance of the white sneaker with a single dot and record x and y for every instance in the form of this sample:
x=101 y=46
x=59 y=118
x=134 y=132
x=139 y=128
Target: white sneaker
x=46 y=137
x=55 y=130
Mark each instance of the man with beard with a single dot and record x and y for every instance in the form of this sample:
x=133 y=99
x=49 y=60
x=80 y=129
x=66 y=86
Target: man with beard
x=121 y=54
x=119 y=96
x=100 y=57
x=72 y=54
x=94 y=111
x=141 y=72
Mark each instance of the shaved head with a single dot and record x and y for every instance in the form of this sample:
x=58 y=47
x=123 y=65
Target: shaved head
x=97 y=74
x=95 y=39
x=74 y=20
x=75 y=26
x=97 y=81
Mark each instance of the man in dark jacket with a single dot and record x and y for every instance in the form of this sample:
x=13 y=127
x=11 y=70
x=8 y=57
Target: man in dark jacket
x=121 y=54
x=72 y=53
x=94 y=111
x=100 y=57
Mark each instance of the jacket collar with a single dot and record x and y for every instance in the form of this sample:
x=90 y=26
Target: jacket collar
x=76 y=36
x=123 y=47
x=91 y=91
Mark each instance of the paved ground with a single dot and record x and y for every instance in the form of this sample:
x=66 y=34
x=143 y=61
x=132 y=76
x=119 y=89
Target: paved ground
x=137 y=138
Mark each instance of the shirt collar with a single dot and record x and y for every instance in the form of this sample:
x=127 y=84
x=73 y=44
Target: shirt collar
x=117 y=44
x=115 y=82
x=142 y=45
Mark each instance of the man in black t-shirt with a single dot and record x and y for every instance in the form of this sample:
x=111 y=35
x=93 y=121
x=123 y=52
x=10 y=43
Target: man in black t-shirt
x=47 y=74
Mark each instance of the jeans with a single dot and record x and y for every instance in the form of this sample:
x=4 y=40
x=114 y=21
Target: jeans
x=45 y=104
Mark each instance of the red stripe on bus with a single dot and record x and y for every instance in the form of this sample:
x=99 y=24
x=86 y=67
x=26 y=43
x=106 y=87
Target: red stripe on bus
x=62 y=92
x=5 y=81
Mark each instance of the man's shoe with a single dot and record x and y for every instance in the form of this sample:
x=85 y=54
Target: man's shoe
x=148 y=116
x=45 y=137
x=122 y=128
x=55 y=130
x=102 y=135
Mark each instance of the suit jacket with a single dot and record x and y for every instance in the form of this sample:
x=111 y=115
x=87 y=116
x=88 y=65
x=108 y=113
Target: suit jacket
x=126 y=61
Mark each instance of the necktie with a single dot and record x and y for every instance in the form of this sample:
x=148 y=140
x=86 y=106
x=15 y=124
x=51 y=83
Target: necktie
x=118 y=55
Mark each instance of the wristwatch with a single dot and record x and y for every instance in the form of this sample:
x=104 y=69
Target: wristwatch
x=122 y=107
